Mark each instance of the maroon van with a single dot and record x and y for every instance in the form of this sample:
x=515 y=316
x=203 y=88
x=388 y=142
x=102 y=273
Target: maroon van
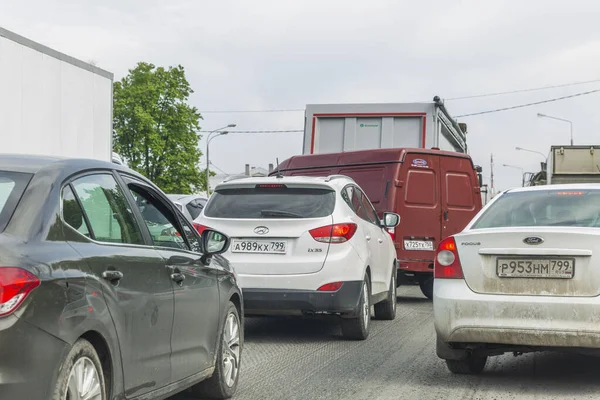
x=436 y=193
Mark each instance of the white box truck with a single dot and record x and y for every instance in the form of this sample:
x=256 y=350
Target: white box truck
x=52 y=104
x=333 y=128
x=573 y=164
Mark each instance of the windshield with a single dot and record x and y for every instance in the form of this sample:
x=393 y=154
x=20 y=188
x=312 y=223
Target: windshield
x=281 y=203
x=543 y=208
x=12 y=185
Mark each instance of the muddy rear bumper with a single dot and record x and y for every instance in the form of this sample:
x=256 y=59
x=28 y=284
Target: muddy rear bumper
x=462 y=316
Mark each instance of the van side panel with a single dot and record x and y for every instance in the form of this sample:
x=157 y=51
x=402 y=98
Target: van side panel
x=419 y=205
x=461 y=198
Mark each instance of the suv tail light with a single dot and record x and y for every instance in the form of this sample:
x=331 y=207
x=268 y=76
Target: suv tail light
x=337 y=233
x=199 y=228
x=15 y=285
x=447 y=263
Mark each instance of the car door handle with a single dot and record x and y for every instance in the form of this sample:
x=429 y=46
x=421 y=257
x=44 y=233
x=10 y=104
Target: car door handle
x=178 y=277
x=368 y=237
x=112 y=275
x=380 y=240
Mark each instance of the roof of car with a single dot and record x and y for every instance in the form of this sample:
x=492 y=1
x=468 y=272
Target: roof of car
x=566 y=186
x=333 y=180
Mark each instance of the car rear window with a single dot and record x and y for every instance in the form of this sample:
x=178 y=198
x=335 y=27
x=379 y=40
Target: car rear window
x=12 y=186
x=279 y=203
x=580 y=208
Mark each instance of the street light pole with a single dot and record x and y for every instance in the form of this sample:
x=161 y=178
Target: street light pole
x=559 y=119
x=209 y=137
x=532 y=151
x=519 y=168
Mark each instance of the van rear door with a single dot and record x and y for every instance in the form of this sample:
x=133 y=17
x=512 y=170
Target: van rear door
x=419 y=206
x=459 y=202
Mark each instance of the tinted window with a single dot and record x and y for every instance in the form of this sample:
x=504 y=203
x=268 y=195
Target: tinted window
x=107 y=210
x=354 y=198
x=271 y=203
x=371 y=214
x=191 y=235
x=12 y=186
x=543 y=208
x=159 y=219
x=72 y=213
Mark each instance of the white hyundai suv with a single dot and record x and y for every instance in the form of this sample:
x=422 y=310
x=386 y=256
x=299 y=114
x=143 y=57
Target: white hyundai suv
x=307 y=245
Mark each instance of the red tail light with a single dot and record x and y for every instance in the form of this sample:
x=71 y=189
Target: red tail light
x=15 y=285
x=447 y=263
x=331 y=287
x=338 y=233
x=199 y=228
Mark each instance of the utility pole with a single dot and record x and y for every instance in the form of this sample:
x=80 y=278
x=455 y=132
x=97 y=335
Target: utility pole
x=492 y=175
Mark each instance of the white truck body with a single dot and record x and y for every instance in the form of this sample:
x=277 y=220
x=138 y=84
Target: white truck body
x=573 y=164
x=52 y=104
x=333 y=128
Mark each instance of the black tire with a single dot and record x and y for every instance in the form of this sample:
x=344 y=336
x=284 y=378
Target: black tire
x=472 y=365
x=386 y=310
x=216 y=386
x=357 y=328
x=426 y=286
x=82 y=353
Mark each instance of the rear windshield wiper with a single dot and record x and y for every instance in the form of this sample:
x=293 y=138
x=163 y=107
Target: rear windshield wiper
x=279 y=213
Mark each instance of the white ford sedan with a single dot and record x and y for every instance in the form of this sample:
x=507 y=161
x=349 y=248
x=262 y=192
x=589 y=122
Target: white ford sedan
x=523 y=276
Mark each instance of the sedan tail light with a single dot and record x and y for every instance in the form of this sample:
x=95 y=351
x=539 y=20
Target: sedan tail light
x=447 y=263
x=15 y=286
x=337 y=233
x=199 y=228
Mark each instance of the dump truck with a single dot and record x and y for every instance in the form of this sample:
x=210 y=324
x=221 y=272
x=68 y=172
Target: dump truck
x=569 y=164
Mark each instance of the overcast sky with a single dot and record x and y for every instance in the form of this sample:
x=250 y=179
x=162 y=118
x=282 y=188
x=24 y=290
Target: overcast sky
x=260 y=54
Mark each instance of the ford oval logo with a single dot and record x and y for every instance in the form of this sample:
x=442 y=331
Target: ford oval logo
x=533 y=240
x=261 y=230
x=419 y=162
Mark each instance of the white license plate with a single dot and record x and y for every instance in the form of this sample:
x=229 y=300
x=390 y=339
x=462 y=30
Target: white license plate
x=555 y=267
x=258 y=246
x=426 y=245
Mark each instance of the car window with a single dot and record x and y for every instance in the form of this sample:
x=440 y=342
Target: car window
x=12 y=186
x=191 y=235
x=194 y=207
x=271 y=202
x=72 y=213
x=353 y=198
x=543 y=208
x=369 y=210
x=107 y=210
x=159 y=220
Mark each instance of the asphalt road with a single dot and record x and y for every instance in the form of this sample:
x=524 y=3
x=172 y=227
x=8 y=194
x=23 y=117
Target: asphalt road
x=307 y=359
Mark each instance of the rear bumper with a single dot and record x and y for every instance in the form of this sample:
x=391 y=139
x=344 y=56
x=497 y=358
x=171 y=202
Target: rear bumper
x=463 y=316
x=285 y=301
x=29 y=360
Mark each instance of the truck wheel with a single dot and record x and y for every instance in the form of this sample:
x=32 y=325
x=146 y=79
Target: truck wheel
x=357 y=328
x=81 y=362
x=386 y=310
x=427 y=287
x=472 y=365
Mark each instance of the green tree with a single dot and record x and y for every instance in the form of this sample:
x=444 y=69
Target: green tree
x=156 y=130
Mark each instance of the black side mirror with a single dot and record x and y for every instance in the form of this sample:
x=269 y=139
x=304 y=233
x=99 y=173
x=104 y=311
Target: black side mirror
x=214 y=242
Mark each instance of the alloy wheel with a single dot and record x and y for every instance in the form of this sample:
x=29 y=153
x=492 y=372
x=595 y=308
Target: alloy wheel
x=231 y=349
x=84 y=381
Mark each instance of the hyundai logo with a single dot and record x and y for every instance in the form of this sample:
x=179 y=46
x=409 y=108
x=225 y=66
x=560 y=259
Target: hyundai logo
x=533 y=240
x=261 y=230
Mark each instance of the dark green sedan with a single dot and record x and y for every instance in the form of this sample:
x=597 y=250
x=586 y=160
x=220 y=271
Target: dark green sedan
x=94 y=304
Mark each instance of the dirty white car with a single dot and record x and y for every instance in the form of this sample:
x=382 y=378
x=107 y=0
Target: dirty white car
x=523 y=276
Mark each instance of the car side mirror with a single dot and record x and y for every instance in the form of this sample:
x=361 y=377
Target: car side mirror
x=390 y=220
x=214 y=242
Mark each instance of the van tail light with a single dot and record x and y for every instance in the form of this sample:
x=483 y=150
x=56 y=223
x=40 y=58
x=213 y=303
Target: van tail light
x=199 y=228
x=337 y=233
x=15 y=286
x=331 y=287
x=392 y=232
x=447 y=263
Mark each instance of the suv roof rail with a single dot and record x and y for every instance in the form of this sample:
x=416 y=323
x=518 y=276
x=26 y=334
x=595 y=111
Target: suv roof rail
x=337 y=176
